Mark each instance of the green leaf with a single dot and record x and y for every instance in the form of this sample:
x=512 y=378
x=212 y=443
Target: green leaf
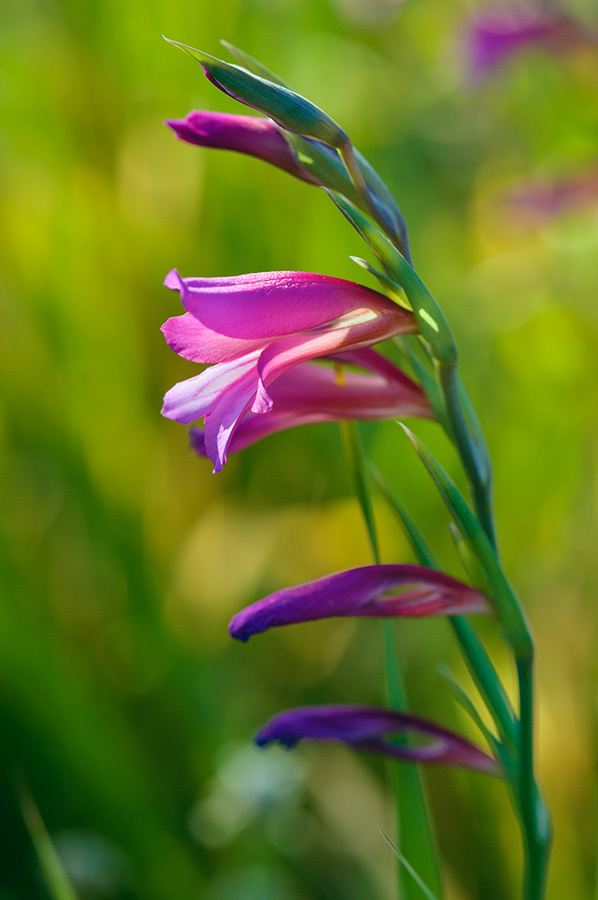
x=409 y=868
x=465 y=701
x=356 y=462
x=416 y=837
x=289 y=109
x=432 y=323
x=55 y=877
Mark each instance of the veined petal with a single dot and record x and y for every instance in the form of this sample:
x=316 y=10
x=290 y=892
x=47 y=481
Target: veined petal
x=380 y=590
x=367 y=727
x=189 y=400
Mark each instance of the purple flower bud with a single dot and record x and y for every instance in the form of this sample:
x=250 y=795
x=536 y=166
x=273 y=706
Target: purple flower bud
x=245 y=134
x=367 y=727
x=381 y=590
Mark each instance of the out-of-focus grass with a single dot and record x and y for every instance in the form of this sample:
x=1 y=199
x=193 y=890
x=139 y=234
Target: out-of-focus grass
x=123 y=700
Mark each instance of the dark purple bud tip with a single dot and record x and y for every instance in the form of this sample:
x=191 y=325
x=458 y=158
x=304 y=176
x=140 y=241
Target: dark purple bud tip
x=375 y=729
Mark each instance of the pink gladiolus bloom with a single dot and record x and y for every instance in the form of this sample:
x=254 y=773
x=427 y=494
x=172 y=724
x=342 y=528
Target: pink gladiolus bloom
x=245 y=134
x=367 y=728
x=499 y=32
x=311 y=392
x=380 y=590
x=253 y=329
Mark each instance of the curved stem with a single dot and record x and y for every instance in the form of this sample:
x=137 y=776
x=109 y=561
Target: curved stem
x=474 y=458
x=534 y=812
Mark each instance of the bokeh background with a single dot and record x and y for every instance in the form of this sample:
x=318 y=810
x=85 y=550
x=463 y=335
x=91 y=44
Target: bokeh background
x=124 y=704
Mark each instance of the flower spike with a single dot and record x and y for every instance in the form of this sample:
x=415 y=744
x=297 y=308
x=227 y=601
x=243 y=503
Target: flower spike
x=366 y=728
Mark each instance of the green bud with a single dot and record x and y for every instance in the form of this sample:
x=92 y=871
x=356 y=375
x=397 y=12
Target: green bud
x=288 y=109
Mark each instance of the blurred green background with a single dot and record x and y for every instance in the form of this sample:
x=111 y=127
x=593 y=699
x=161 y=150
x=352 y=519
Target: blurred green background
x=124 y=704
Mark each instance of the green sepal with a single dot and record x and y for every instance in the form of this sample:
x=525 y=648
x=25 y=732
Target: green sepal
x=254 y=65
x=393 y=216
x=432 y=323
x=414 y=351
x=394 y=290
x=470 y=563
x=323 y=163
x=509 y=610
x=291 y=110
x=465 y=702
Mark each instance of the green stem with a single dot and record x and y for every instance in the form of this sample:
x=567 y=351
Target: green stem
x=477 y=469
x=537 y=829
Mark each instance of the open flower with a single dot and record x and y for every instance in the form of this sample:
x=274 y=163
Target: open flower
x=246 y=134
x=253 y=329
x=312 y=392
x=366 y=728
x=380 y=590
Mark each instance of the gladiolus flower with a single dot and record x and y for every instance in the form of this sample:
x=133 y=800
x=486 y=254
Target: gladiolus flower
x=245 y=134
x=366 y=727
x=254 y=328
x=311 y=392
x=497 y=33
x=380 y=590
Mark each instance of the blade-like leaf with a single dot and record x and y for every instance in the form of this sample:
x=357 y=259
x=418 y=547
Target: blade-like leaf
x=409 y=868
x=56 y=879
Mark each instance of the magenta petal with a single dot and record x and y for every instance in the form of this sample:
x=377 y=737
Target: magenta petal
x=381 y=590
x=367 y=727
x=266 y=305
x=310 y=393
x=189 y=400
x=251 y=135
